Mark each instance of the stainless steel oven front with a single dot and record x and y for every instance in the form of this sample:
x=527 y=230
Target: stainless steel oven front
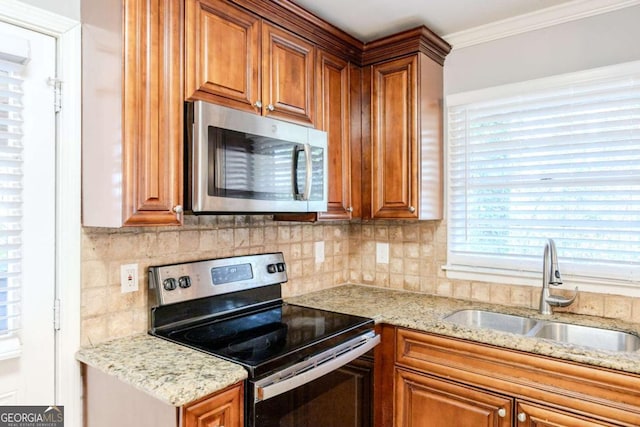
x=243 y=162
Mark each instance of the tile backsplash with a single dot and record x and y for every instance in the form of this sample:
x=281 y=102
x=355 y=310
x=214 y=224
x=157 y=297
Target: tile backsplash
x=416 y=251
x=107 y=313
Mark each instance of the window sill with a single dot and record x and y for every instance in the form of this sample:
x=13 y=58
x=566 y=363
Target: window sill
x=10 y=348
x=528 y=278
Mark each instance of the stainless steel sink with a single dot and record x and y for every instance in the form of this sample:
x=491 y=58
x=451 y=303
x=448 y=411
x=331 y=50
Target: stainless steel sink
x=586 y=336
x=490 y=320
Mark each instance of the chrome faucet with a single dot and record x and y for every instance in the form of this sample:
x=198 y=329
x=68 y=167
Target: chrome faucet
x=551 y=276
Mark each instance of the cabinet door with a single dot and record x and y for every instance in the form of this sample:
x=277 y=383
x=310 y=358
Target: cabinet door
x=334 y=118
x=288 y=76
x=152 y=112
x=223 y=409
x=394 y=145
x=425 y=401
x=222 y=54
x=533 y=415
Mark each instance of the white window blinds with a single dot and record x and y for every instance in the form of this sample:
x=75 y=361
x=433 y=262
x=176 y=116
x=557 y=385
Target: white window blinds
x=557 y=158
x=11 y=158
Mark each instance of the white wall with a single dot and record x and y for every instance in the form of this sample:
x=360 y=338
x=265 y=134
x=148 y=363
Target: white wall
x=68 y=8
x=579 y=45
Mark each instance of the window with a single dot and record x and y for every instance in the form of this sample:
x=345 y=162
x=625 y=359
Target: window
x=553 y=158
x=10 y=194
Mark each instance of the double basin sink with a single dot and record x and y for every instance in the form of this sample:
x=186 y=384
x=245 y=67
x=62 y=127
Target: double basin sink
x=585 y=336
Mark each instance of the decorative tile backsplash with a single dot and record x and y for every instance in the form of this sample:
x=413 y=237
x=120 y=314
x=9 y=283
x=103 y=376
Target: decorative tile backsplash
x=107 y=313
x=414 y=251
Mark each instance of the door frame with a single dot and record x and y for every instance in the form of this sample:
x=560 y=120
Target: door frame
x=67 y=32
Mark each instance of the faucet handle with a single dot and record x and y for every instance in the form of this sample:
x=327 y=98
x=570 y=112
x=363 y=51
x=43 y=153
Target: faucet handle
x=560 y=301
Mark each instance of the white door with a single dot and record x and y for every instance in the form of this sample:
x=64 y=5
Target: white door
x=27 y=217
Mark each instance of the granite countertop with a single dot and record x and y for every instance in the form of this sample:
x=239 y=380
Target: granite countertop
x=426 y=312
x=178 y=375
x=172 y=373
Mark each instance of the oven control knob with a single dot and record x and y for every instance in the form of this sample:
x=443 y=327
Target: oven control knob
x=169 y=284
x=271 y=268
x=184 y=282
x=281 y=266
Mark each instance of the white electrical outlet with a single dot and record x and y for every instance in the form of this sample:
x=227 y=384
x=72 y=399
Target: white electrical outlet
x=382 y=253
x=319 y=250
x=129 y=277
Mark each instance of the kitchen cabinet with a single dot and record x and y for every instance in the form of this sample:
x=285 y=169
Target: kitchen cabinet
x=334 y=117
x=223 y=409
x=403 y=152
x=440 y=381
x=132 y=113
x=335 y=77
x=237 y=59
x=424 y=400
x=110 y=402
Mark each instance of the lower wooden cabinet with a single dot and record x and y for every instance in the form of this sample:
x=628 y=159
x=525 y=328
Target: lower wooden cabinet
x=223 y=409
x=436 y=381
x=423 y=400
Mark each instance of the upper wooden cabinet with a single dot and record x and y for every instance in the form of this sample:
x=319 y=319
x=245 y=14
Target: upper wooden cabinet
x=234 y=58
x=132 y=113
x=403 y=154
x=334 y=117
x=222 y=54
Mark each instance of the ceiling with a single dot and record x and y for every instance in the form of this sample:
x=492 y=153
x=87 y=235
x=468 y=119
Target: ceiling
x=370 y=19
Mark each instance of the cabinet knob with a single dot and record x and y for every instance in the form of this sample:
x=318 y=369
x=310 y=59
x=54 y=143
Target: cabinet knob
x=502 y=412
x=412 y=209
x=177 y=209
x=522 y=417
x=270 y=107
x=257 y=104
x=349 y=209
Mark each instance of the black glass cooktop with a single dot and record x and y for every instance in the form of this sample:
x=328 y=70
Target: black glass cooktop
x=272 y=338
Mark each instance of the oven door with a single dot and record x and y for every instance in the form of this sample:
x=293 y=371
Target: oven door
x=330 y=389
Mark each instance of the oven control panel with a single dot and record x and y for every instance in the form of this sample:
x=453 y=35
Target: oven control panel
x=190 y=280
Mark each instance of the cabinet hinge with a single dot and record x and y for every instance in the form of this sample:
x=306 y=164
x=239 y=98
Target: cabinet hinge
x=56 y=315
x=56 y=84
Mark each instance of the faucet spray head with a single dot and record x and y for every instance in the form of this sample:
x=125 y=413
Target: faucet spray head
x=554 y=278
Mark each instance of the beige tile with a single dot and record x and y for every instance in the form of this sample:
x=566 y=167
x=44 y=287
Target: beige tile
x=590 y=304
x=94 y=274
x=618 y=307
x=93 y=331
x=241 y=237
x=500 y=294
x=462 y=290
x=189 y=241
x=480 y=292
x=411 y=250
x=443 y=288
x=411 y=232
x=521 y=296
x=94 y=301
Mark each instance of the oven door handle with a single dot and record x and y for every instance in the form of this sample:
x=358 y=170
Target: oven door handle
x=312 y=369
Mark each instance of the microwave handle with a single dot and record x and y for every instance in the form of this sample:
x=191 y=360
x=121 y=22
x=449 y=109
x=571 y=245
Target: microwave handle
x=308 y=180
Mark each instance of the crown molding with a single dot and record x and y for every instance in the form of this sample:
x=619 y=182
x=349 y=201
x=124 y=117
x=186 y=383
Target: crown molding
x=34 y=18
x=566 y=12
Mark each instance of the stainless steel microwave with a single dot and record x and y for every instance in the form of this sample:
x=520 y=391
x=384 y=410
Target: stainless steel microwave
x=242 y=162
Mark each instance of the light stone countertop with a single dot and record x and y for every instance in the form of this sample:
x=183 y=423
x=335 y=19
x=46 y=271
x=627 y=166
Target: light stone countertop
x=425 y=313
x=172 y=373
x=178 y=375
